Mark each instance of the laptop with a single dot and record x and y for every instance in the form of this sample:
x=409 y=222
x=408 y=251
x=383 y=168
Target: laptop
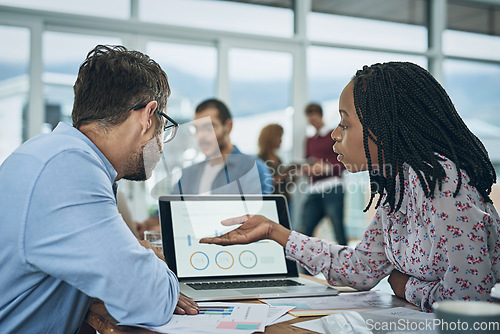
x=208 y=272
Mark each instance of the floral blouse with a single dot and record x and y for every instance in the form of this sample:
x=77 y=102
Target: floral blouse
x=449 y=246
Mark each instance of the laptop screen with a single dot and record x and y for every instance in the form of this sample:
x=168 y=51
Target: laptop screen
x=187 y=219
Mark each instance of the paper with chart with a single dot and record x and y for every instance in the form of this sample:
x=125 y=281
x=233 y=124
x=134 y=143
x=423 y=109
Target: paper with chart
x=219 y=317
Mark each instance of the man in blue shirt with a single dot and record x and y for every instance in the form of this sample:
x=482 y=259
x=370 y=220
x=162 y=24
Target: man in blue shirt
x=226 y=170
x=63 y=240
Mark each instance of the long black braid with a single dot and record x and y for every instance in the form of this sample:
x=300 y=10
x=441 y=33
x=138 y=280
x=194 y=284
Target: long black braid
x=410 y=117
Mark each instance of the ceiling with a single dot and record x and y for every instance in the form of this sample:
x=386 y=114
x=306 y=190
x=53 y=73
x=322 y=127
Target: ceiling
x=478 y=16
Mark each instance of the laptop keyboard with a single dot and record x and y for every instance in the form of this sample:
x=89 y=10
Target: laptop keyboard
x=243 y=284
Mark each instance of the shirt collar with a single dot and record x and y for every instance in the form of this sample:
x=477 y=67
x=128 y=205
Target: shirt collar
x=66 y=129
x=233 y=156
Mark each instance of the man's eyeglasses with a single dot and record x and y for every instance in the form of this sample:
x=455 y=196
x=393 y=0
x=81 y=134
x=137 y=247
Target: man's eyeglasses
x=170 y=128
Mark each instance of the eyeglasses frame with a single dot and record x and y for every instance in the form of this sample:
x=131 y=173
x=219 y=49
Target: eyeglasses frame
x=174 y=124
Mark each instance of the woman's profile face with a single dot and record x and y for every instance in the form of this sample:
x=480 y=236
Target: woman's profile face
x=277 y=141
x=348 y=135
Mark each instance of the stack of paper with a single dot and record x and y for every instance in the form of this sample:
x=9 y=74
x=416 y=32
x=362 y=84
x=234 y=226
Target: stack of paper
x=314 y=306
x=387 y=320
x=220 y=317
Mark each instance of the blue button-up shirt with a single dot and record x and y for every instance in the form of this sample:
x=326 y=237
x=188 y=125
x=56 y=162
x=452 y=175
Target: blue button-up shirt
x=63 y=242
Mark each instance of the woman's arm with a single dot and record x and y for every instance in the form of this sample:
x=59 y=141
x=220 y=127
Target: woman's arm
x=362 y=267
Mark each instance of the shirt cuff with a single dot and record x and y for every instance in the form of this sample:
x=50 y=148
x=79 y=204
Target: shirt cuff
x=294 y=243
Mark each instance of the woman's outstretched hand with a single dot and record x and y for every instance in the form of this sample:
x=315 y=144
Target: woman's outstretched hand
x=253 y=228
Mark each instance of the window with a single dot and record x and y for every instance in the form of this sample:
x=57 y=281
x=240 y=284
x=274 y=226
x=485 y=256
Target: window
x=330 y=69
x=119 y=9
x=14 y=87
x=371 y=33
x=220 y=15
x=481 y=17
x=474 y=89
x=459 y=43
x=191 y=72
x=62 y=55
x=260 y=83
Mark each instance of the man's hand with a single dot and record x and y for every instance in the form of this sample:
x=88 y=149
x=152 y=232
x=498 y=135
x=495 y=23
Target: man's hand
x=186 y=306
x=398 y=280
x=157 y=250
x=253 y=228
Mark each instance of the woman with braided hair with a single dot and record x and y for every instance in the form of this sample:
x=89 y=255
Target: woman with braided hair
x=436 y=231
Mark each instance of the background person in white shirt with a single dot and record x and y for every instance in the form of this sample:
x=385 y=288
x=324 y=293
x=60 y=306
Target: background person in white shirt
x=226 y=170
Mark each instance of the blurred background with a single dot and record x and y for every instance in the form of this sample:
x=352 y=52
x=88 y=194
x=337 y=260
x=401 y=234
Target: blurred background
x=265 y=59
